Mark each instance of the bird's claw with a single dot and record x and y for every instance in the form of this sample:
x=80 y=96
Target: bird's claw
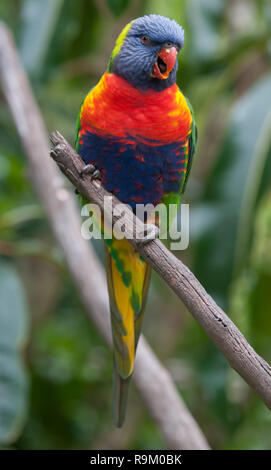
x=96 y=175
x=150 y=232
x=91 y=170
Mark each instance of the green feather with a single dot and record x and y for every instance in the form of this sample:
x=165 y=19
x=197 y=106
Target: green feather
x=192 y=145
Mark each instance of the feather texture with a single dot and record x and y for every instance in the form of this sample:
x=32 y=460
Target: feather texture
x=128 y=277
x=140 y=133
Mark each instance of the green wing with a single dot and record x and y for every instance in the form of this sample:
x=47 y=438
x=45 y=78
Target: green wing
x=192 y=143
x=78 y=127
x=78 y=124
x=174 y=198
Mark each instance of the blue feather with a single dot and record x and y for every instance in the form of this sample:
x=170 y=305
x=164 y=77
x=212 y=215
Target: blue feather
x=135 y=172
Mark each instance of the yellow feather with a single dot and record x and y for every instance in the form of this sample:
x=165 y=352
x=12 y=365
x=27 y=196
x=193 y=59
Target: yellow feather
x=120 y=39
x=127 y=314
x=126 y=273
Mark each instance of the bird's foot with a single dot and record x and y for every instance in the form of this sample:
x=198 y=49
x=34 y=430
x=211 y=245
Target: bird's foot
x=150 y=232
x=91 y=170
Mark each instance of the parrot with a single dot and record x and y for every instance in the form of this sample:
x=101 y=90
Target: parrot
x=136 y=132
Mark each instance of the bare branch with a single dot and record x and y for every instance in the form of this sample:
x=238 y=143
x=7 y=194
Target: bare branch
x=222 y=331
x=163 y=401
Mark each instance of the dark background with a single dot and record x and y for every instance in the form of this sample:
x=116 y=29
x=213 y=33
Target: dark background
x=55 y=378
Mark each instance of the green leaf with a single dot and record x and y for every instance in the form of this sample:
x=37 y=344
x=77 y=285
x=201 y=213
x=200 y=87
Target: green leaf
x=261 y=248
x=205 y=19
x=250 y=295
x=233 y=189
x=39 y=20
x=20 y=215
x=13 y=333
x=118 y=6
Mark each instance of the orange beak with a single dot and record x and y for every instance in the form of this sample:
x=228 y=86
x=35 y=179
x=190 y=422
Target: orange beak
x=165 y=63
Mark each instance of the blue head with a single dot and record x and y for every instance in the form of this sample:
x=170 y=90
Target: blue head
x=146 y=52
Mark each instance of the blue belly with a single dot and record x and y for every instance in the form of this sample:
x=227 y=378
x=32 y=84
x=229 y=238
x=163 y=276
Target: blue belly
x=134 y=171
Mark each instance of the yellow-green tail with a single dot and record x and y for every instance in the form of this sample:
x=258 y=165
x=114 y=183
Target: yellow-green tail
x=128 y=277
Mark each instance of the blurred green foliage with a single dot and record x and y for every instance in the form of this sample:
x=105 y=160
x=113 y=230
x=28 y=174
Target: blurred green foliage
x=13 y=381
x=64 y=399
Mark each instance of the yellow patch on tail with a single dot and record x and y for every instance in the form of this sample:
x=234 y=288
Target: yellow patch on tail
x=126 y=275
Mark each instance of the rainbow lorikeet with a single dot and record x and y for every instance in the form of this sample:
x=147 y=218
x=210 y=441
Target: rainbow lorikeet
x=137 y=130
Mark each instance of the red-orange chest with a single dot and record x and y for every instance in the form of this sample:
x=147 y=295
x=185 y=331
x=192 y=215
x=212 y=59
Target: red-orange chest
x=116 y=108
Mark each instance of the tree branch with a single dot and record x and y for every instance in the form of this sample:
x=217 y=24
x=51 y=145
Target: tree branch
x=177 y=425
x=222 y=331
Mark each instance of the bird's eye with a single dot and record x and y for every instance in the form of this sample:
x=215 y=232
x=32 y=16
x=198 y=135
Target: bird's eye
x=145 y=39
